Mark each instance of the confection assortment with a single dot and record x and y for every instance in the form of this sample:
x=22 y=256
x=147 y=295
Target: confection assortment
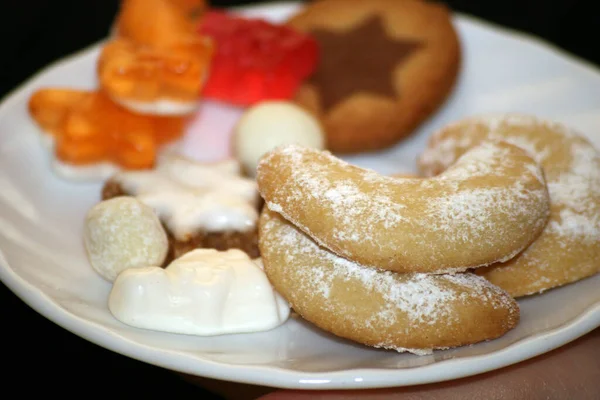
x=503 y=206
x=150 y=74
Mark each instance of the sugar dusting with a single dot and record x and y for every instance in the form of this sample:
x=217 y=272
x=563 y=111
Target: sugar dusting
x=576 y=194
x=123 y=233
x=368 y=206
x=571 y=164
x=422 y=299
x=349 y=202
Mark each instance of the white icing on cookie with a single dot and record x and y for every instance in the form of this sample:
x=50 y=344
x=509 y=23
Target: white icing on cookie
x=191 y=197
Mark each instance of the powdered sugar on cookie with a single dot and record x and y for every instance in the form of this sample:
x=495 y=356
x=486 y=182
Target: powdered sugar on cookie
x=494 y=198
x=569 y=247
x=403 y=305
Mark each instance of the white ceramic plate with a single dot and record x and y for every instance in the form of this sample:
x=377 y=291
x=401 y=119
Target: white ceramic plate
x=43 y=260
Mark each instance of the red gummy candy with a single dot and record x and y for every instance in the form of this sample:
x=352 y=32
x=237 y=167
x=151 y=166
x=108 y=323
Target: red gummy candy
x=255 y=60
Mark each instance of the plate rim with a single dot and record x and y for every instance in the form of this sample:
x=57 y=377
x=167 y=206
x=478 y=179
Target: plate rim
x=362 y=378
x=534 y=345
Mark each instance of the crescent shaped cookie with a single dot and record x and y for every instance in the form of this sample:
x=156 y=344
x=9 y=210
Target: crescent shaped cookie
x=486 y=208
x=405 y=312
x=384 y=67
x=569 y=247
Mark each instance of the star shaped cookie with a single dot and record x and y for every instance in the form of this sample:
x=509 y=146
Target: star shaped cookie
x=361 y=59
x=385 y=66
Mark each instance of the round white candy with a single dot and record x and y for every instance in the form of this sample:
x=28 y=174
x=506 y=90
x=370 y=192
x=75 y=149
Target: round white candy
x=270 y=124
x=122 y=233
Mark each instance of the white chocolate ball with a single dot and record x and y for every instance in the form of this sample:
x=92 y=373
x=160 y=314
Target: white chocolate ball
x=122 y=233
x=270 y=124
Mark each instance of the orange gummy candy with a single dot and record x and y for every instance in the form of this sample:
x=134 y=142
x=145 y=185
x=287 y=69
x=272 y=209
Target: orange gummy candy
x=155 y=23
x=157 y=54
x=192 y=9
x=128 y=70
x=88 y=127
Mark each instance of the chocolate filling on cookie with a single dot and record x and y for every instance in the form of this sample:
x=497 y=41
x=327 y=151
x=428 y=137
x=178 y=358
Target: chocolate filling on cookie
x=362 y=59
x=384 y=67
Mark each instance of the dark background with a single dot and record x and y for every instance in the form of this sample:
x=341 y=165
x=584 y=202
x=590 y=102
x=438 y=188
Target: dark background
x=44 y=358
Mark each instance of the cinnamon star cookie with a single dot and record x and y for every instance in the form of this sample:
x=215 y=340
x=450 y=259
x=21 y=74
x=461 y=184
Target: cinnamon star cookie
x=385 y=66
